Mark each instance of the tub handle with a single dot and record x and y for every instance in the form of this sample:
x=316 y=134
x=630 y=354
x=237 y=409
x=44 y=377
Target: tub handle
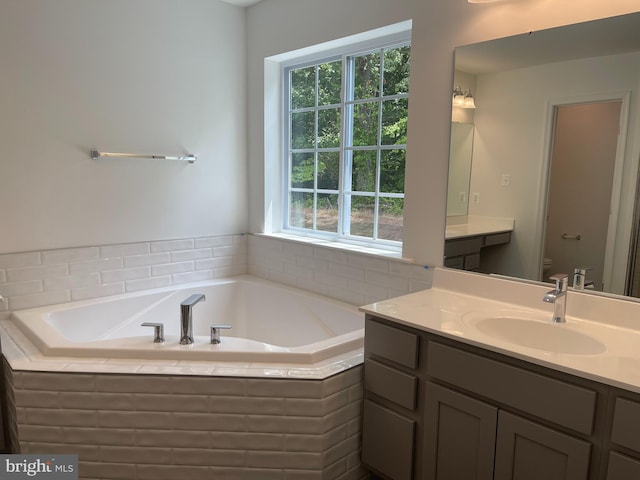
x=215 y=333
x=158 y=331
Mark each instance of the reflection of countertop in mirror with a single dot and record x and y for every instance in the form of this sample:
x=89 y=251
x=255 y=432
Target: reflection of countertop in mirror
x=471 y=226
x=599 y=341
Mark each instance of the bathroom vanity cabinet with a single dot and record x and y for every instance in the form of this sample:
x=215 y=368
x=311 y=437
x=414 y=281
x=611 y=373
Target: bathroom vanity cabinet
x=435 y=408
x=464 y=253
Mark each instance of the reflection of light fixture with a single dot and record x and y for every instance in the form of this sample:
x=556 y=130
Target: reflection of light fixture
x=468 y=100
x=463 y=99
x=458 y=97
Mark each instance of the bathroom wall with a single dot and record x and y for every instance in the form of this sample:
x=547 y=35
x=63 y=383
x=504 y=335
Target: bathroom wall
x=510 y=138
x=168 y=76
x=277 y=26
x=148 y=76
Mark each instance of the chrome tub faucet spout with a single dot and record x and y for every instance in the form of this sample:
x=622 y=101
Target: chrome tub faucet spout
x=558 y=296
x=186 y=318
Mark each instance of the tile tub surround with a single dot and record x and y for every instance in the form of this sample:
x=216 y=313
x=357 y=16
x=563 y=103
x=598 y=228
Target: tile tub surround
x=33 y=279
x=350 y=274
x=166 y=427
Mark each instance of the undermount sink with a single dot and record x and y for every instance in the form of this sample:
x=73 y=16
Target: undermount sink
x=547 y=336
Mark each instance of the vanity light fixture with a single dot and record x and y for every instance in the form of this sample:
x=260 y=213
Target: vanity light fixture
x=463 y=99
x=458 y=97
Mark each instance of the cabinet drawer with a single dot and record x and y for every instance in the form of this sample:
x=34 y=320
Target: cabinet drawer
x=471 y=262
x=391 y=384
x=626 y=424
x=464 y=246
x=391 y=343
x=559 y=402
x=387 y=441
x=622 y=467
x=497 y=239
x=454 y=262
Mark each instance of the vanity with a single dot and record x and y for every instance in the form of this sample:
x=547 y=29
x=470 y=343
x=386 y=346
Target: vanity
x=472 y=380
x=464 y=241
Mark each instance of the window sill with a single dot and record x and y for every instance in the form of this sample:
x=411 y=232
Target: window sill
x=337 y=245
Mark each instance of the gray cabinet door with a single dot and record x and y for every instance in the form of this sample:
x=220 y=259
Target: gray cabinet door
x=460 y=434
x=528 y=451
x=387 y=442
x=622 y=467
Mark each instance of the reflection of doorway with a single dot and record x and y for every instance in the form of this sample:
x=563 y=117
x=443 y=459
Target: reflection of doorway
x=581 y=174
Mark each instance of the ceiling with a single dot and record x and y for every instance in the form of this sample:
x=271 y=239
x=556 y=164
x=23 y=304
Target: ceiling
x=590 y=39
x=242 y=3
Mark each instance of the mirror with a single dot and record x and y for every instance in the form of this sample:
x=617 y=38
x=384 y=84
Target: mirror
x=460 y=155
x=519 y=84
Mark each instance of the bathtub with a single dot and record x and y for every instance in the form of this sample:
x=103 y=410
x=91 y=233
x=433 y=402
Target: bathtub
x=269 y=323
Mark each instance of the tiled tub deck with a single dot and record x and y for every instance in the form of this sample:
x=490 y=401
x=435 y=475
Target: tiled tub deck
x=168 y=427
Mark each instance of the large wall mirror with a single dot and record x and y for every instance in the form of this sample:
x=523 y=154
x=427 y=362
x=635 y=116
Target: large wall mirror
x=554 y=144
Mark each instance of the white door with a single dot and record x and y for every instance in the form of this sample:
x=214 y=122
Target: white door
x=580 y=187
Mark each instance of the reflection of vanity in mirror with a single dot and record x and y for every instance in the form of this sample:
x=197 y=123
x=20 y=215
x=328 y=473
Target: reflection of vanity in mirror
x=542 y=174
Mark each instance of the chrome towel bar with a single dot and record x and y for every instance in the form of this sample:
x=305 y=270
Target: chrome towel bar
x=95 y=154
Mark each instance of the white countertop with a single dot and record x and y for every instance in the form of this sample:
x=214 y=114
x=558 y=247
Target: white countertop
x=457 y=298
x=474 y=226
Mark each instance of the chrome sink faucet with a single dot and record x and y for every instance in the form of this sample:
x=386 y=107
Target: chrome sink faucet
x=186 y=318
x=558 y=296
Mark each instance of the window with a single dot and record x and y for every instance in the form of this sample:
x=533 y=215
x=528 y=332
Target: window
x=346 y=133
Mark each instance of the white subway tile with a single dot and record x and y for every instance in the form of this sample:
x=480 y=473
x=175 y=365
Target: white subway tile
x=21 y=288
x=144 y=260
x=185 y=255
x=124 y=250
x=211 y=263
x=232 y=250
x=60 y=417
x=16 y=260
x=39 y=299
x=171 y=245
x=387 y=280
x=208 y=242
x=344 y=270
x=173 y=472
x=369 y=262
x=147 y=283
x=170 y=268
x=113 y=276
x=36 y=273
x=70 y=255
x=188 y=277
x=331 y=255
x=71 y=281
x=95 y=266
x=83 y=293
x=172 y=438
x=96 y=470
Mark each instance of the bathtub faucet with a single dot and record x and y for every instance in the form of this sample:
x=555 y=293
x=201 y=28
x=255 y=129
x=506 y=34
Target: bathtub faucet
x=186 y=318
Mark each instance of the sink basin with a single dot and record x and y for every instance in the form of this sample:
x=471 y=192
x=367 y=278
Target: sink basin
x=547 y=336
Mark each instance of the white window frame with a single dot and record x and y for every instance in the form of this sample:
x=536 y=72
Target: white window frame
x=270 y=216
x=376 y=44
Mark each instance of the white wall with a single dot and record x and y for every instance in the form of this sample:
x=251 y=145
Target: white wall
x=143 y=76
x=277 y=26
x=510 y=137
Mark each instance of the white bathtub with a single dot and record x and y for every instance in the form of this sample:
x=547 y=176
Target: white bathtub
x=270 y=323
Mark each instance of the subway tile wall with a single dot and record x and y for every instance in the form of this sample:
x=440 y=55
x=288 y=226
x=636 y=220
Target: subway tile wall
x=351 y=276
x=33 y=279
x=167 y=427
